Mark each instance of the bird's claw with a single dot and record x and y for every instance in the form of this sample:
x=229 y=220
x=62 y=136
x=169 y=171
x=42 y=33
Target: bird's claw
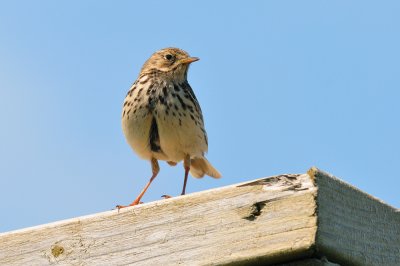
x=132 y=204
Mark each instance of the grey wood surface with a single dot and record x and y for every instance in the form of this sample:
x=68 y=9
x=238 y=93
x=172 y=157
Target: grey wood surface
x=244 y=223
x=281 y=219
x=354 y=227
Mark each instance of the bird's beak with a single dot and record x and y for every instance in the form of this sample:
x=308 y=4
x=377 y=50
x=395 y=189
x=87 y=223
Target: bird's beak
x=189 y=60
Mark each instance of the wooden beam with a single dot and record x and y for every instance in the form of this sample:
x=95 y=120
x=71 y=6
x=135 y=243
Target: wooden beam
x=270 y=220
x=354 y=227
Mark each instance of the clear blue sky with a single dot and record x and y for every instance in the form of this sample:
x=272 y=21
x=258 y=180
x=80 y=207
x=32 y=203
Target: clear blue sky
x=284 y=85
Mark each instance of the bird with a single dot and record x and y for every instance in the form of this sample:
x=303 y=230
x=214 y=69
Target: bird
x=162 y=118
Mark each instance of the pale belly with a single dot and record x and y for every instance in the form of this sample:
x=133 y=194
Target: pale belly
x=178 y=134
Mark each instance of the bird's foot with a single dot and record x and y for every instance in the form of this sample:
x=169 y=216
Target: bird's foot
x=134 y=203
x=166 y=196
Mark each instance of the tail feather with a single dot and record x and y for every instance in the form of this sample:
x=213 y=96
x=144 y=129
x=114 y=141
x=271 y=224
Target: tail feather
x=201 y=166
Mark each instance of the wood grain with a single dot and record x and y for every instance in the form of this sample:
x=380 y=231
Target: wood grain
x=354 y=227
x=290 y=219
x=270 y=219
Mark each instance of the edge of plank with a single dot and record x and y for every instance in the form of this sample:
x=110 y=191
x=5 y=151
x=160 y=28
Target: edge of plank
x=353 y=226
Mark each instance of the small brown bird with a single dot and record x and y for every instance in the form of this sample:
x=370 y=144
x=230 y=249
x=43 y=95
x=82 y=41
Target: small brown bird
x=162 y=119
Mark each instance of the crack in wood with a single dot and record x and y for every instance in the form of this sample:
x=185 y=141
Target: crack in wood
x=255 y=211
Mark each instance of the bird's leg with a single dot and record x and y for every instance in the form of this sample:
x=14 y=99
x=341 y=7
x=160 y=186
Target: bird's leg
x=155 y=169
x=186 y=165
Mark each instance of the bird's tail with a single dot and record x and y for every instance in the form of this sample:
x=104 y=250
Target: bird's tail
x=201 y=166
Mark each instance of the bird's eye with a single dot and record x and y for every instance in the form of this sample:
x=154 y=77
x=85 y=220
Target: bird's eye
x=168 y=57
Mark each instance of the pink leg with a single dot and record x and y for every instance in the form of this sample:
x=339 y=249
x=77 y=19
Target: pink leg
x=186 y=165
x=156 y=169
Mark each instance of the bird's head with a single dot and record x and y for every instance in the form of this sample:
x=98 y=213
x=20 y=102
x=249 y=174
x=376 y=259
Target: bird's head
x=173 y=62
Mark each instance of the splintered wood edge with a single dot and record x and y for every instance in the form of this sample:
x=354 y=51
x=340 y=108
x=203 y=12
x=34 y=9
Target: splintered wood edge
x=268 y=220
x=306 y=183
x=265 y=220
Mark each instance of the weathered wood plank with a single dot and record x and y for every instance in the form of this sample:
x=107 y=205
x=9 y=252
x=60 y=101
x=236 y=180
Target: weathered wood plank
x=354 y=227
x=271 y=219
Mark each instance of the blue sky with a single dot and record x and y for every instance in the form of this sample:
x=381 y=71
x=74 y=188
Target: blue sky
x=284 y=85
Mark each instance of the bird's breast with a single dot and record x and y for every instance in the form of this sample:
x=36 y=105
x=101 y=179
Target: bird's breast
x=164 y=118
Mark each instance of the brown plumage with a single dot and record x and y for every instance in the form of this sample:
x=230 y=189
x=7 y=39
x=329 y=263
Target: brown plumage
x=162 y=119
